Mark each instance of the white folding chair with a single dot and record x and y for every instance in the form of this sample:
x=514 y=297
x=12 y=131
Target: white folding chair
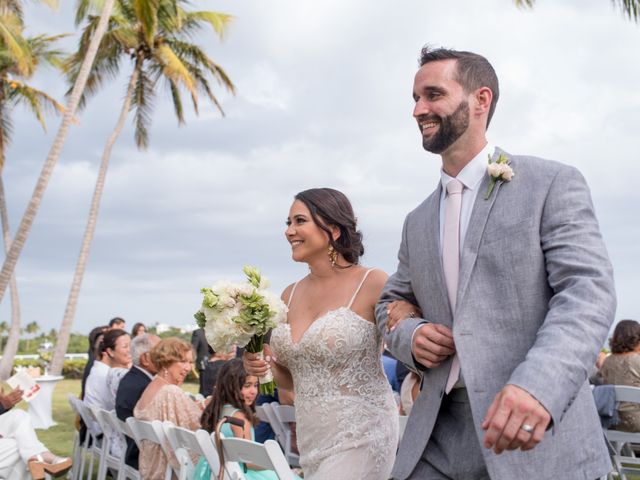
x=107 y=460
x=262 y=414
x=150 y=432
x=208 y=449
x=79 y=448
x=93 y=438
x=266 y=455
x=184 y=442
x=621 y=443
x=125 y=471
x=285 y=416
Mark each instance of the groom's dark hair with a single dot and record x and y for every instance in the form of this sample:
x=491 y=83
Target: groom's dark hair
x=473 y=71
x=331 y=207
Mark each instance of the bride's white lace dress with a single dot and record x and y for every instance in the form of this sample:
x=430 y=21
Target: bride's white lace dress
x=347 y=419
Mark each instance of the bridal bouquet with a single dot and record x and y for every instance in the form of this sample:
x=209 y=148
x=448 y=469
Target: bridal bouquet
x=241 y=314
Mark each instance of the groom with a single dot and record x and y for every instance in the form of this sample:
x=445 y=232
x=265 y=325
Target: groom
x=516 y=292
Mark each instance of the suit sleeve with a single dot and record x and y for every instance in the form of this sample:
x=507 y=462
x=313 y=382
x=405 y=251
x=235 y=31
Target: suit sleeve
x=582 y=305
x=398 y=287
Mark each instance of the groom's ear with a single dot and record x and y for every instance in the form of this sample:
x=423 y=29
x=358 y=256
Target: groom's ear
x=482 y=97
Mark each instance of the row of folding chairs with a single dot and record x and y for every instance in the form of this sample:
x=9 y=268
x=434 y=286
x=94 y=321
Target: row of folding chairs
x=173 y=440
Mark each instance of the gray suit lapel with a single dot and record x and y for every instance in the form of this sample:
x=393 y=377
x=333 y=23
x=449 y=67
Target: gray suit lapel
x=433 y=276
x=477 y=222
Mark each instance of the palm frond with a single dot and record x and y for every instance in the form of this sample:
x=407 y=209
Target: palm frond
x=12 y=7
x=219 y=22
x=525 y=3
x=173 y=67
x=146 y=12
x=42 y=50
x=34 y=99
x=11 y=35
x=193 y=54
x=6 y=131
x=142 y=104
x=630 y=8
x=177 y=101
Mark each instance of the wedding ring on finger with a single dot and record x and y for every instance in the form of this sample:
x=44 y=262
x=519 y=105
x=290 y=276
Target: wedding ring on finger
x=527 y=428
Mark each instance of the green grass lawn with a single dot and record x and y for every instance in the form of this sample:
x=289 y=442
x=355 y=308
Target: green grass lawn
x=59 y=438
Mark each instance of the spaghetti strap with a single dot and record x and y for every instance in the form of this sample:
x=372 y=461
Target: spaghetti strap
x=293 y=290
x=357 y=289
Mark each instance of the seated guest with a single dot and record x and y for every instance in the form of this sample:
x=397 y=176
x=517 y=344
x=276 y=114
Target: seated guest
x=202 y=350
x=138 y=329
x=22 y=452
x=211 y=369
x=163 y=399
x=234 y=396
x=622 y=367
x=133 y=384
x=112 y=363
x=113 y=359
x=95 y=336
x=10 y=400
x=117 y=323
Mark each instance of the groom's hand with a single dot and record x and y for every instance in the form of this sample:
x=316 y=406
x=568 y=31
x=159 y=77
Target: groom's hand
x=432 y=344
x=512 y=409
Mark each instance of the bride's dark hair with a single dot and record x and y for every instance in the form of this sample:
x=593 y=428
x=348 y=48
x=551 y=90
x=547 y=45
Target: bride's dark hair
x=328 y=208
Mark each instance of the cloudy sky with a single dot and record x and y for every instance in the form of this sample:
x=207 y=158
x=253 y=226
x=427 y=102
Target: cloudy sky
x=324 y=99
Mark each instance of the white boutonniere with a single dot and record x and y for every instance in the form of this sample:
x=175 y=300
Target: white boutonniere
x=499 y=171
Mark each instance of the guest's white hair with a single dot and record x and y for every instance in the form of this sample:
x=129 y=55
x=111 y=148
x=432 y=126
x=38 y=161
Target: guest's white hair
x=139 y=346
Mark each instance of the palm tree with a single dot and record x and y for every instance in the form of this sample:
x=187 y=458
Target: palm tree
x=3 y=329
x=36 y=198
x=19 y=58
x=630 y=8
x=30 y=329
x=154 y=37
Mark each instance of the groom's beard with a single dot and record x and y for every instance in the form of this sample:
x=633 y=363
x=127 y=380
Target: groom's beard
x=451 y=128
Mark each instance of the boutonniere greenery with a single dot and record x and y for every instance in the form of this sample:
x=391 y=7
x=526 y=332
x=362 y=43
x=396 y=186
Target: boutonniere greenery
x=499 y=171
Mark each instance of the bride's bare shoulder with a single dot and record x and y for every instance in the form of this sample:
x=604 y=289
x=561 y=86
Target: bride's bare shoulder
x=287 y=293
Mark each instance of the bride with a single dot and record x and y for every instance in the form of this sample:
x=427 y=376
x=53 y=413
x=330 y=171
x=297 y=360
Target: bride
x=329 y=349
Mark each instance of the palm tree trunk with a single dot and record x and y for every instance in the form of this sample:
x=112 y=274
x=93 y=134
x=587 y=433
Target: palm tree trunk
x=72 y=302
x=11 y=347
x=36 y=198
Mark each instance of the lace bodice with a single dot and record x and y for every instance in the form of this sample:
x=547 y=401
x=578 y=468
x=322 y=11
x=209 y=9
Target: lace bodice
x=338 y=355
x=347 y=417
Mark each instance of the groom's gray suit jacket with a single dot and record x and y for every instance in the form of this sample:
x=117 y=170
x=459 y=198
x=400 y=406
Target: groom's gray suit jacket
x=535 y=302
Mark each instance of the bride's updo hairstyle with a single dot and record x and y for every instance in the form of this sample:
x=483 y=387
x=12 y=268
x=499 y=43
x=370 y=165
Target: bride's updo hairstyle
x=330 y=207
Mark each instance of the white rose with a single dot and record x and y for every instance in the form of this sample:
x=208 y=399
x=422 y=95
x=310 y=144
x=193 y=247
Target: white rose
x=494 y=170
x=507 y=172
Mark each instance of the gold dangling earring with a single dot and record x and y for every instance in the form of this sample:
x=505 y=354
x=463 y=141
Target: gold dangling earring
x=333 y=255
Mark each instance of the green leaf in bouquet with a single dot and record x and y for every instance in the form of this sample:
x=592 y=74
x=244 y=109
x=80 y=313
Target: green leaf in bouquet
x=210 y=299
x=200 y=318
x=253 y=275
